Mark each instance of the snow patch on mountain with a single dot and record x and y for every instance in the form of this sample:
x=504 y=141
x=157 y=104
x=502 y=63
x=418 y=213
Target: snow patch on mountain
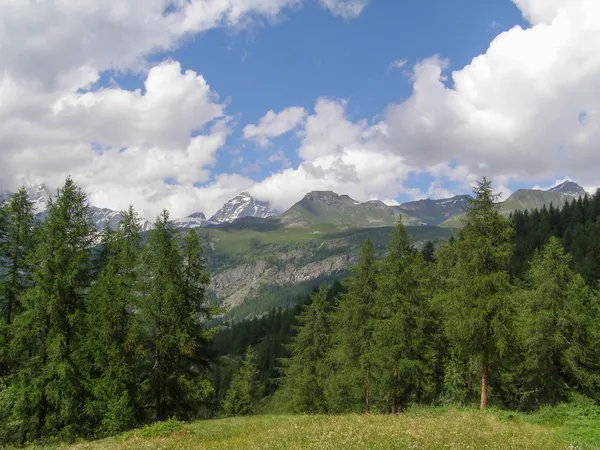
x=243 y=205
x=195 y=220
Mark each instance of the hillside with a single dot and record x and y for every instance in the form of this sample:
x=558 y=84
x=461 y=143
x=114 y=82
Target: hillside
x=529 y=199
x=424 y=428
x=258 y=265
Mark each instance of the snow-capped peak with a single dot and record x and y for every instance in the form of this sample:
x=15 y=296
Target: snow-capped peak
x=242 y=205
x=569 y=188
x=195 y=220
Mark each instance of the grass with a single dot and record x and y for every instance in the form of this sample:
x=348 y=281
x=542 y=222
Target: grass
x=419 y=428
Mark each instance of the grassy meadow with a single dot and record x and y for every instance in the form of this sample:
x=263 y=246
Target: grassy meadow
x=565 y=427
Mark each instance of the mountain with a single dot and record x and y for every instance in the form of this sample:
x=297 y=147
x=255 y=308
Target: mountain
x=529 y=199
x=39 y=195
x=195 y=220
x=434 y=212
x=243 y=205
x=326 y=207
x=569 y=188
x=103 y=217
x=523 y=199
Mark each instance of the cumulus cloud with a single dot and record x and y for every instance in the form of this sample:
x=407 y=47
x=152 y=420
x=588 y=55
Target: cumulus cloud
x=348 y=9
x=121 y=145
x=274 y=124
x=515 y=110
x=337 y=154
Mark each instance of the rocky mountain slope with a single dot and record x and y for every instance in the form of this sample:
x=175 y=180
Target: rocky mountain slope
x=243 y=205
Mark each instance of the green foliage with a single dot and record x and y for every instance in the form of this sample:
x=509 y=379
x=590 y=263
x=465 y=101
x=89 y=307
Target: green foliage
x=350 y=384
x=162 y=429
x=244 y=392
x=558 y=323
x=475 y=294
x=304 y=376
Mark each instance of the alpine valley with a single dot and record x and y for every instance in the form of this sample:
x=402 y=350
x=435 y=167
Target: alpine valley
x=260 y=259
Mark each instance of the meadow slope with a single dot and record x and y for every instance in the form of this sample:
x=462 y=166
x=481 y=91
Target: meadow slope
x=419 y=428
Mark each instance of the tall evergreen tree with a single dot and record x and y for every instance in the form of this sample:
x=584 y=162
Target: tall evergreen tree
x=172 y=309
x=350 y=386
x=245 y=391
x=114 y=338
x=476 y=292
x=50 y=385
x=304 y=376
x=403 y=323
x=559 y=317
x=16 y=244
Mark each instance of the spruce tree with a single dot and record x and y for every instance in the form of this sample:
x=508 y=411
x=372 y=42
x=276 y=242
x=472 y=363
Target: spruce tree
x=245 y=391
x=403 y=324
x=476 y=292
x=303 y=381
x=172 y=310
x=558 y=325
x=16 y=244
x=350 y=386
x=50 y=384
x=114 y=337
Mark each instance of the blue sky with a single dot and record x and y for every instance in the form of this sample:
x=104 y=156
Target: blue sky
x=183 y=104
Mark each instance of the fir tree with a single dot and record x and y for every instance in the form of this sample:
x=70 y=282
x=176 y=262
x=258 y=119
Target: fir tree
x=50 y=385
x=245 y=391
x=558 y=326
x=304 y=375
x=114 y=338
x=350 y=386
x=476 y=294
x=403 y=349
x=172 y=306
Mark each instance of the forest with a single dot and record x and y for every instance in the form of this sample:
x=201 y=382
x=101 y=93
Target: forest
x=102 y=331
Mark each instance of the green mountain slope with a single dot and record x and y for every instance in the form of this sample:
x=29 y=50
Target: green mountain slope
x=529 y=199
x=262 y=265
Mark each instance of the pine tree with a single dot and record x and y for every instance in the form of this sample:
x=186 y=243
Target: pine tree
x=350 y=386
x=16 y=244
x=172 y=310
x=114 y=337
x=303 y=383
x=245 y=391
x=49 y=384
x=559 y=317
x=403 y=324
x=476 y=293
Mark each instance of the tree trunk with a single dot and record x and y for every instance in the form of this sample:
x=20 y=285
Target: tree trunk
x=367 y=397
x=484 y=380
x=395 y=381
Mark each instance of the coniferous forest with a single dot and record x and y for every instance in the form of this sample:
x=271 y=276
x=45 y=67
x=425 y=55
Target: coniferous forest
x=104 y=330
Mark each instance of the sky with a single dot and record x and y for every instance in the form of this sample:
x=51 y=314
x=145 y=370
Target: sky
x=183 y=104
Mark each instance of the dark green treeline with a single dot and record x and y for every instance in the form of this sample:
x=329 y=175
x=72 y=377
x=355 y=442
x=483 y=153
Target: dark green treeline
x=500 y=314
x=99 y=332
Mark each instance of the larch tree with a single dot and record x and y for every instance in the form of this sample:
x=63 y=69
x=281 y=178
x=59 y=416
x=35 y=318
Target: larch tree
x=172 y=310
x=350 y=386
x=476 y=294
x=558 y=325
x=47 y=334
x=113 y=336
x=303 y=372
x=403 y=350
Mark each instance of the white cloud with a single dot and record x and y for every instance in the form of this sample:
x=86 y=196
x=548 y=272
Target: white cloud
x=398 y=64
x=119 y=144
x=274 y=124
x=514 y=111
x=348 y=9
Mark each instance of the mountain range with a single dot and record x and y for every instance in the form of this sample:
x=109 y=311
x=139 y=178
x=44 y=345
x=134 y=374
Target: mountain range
x=259 y=259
